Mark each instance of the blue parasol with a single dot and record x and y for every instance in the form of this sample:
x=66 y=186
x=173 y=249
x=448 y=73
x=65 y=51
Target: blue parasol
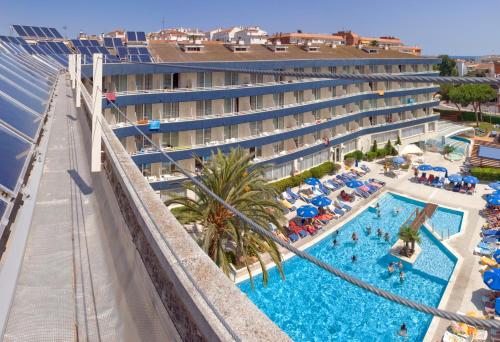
x=398 y=160
x=455 y=178
x=470 y=179
x=495 y=186
x=321 y=201
x=354 y=184
x=496 y=256
x=492 y=279
x=312 y=181
x=439 y=169
x=424 y=167
x=493 y=200
x=307 y=211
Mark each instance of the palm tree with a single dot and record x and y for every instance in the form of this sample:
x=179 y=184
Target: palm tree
x=409 y=236
x=374 y=43
x=225 y=237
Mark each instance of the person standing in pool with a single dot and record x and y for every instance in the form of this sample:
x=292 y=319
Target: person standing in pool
x=335 y=242
x=390 y=268
x=379 y=232
x=403 y=331
x=378 y=213
x=400 y=265
x=354 y=237
x=354 y=258
x=368 y=230
x=401 y=276
x=387 y=237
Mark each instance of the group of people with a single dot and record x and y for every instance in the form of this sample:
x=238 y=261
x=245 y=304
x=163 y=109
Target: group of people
x=392 y=268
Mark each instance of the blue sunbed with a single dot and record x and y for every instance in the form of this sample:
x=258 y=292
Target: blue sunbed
x=292 y=194
x=293 y=237
x=345 y=206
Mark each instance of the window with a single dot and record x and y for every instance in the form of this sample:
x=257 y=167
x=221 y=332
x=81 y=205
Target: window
x=350 y=146
x=316 y=135
x=332 y=69
x=279 y=99
x=256 y=78
x=230 y=78
x=278 y=171
x=299 y=96
x=119 y=117
x=299 y=141
x=255 y=127
x=146 y=170
x=141 y=142
x=333 y=91
x=167 y=168
x=167 y=81
x=119 y=83
x=385 y=136
x=256 y=151
x=316 y=69
x=256 y=102
x=431 y=126
x=299 y=119
x=230 y=132
x=411 y=131
x=229 y=106
x=144 y=81
x=278 y=147
x=316 y=114
x=171 y=110
x=203 y=108
x=279 y=123
x=203 y=136
x=144 y=111
x=204 y=79
x=316 y=92
x=333 y=111
x=169 y=139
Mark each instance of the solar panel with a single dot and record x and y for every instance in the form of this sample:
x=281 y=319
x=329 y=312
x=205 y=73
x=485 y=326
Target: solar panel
x=29 y=49
x=19 y=30
x=83 y=50
x=94 y=42
x=29 y=31
x=25 y=97
x=85 y=43
x=133 y=51
x=63 y=48
x=145 y=58
x=37 y=49
x=133 y=58
x=19 y=118
x=489 y=152
x=143 y=51
x=76 y=42
x=3 y=208
x=131 y=36
x=55 y=32
x=20 y=40
x=13 y=154
x=47 y=32
x=103 y=50
x=4 y=39
x=33 y=89
x=111 y=59
x=108 y=42
x=53 y=46
x=117 y=42
x=38 y=32
x=122 y=52
x=141 y=36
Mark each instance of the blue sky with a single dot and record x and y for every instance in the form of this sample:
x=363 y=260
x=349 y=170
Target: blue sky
x=456 y=27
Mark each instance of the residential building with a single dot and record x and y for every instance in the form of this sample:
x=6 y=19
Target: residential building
x=303 y=38
x=226 y=35
x=386 y=42
x=251 y=35
x=169 y=35
x=289 y=124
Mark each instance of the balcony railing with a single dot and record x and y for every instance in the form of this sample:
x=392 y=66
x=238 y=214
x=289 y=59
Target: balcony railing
x=277 y=131
x=263 y=110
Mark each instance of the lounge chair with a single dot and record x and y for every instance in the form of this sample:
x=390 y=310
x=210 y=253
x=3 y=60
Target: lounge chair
x=423 y=178
x=463 y=189
x=307 y=195
x=292 y=194
x=335 y=210
x=435 y=181
x=361 y=193
x=456 y=187
x=471 y=189
x=440 y=182
x=288 y=205
x=324 y=189
x=288 y=198
x=294 y=227
x=373 y=180
x=344 y=196
x=365 y=168
x=330 y=185
x=430 y=179
x=344 y=205
x=367 y=189
x=293 y=237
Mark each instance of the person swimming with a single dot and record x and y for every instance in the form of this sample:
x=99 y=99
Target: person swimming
x=403 y=331
x=368 y=230
x=387 y=237
x=396 y=211
x=400 y=265
x=379 y=232
x=390 y=268
x=378 y=213
x=335 y=242
x=354 y=237
x=354 y=258
x=401 y=276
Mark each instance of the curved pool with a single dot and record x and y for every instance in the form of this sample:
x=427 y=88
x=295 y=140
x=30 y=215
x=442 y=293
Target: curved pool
x=312 y=305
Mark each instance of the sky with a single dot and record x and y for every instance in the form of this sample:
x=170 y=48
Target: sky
x=455 y=27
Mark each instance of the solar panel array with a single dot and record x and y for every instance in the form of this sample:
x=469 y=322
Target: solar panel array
x=134 y=54
x=112 y=43
x=13 y=40
x=133 y=36
x=25 y=87
x=85 y=42
x=37 y=32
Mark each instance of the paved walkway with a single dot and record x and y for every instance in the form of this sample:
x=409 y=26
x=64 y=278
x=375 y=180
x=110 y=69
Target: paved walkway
x=81 y=278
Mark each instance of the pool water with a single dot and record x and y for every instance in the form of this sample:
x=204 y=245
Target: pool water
x=446 y=222
x=312 y=305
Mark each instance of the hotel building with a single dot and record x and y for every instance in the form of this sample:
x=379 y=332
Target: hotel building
x=288 y=124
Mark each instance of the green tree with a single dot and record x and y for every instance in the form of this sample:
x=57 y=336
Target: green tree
x=233 y=178
x=409 y=236
x=374 y=43
x=444 y=91
x=472 y=94
x=447 y=67
x=374 y=147
x=398 y=141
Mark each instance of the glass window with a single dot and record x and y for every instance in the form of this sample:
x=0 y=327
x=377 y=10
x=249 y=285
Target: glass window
x=299 y=141
x=171 y=110
x=299 y=119
x=230 y=132
x=167 y=81
x=148 y=81
x=278 y=147
x=169 y=139
x=203 y=136
x=316 y=114
x=139 y=81
x=279 y=123
x=279 y=99
x=167 y=168
x=299 y=96
x=203 y=108
x=119 y=117
x=332 y=69
x=256 y=102
x=204 y=79
x=316 y=93
x=256 y=78
x=144 y=111
x=255 y=127
x=230 y=78
x=229 y=105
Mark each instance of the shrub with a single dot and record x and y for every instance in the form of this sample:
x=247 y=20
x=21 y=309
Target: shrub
x=317 y=172
x=448 y=149
x=370 y=155
x=336 y=167
x=398 y=142
x=381 y=152
x=375 y=146
x=486 y=173
x=349 y=161
x=405 y=166
x=323 y=169
x=357 y=155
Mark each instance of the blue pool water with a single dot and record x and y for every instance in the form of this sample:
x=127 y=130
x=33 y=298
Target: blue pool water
x=446 y=222
x=312 y=305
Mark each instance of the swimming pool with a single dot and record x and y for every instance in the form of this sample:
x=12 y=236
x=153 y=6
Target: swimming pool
x=312 y=305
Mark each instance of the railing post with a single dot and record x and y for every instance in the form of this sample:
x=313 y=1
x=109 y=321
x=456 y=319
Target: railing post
x=71 y=69
x=78 y=97
x=96 y=113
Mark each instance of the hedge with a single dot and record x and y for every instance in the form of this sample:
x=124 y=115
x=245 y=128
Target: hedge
x=316 y=172
x=357 y=155
x=486 y=173
x=471 y=116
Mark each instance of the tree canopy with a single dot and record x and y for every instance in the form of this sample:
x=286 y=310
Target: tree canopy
x=448 y=66
x=472 y=94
